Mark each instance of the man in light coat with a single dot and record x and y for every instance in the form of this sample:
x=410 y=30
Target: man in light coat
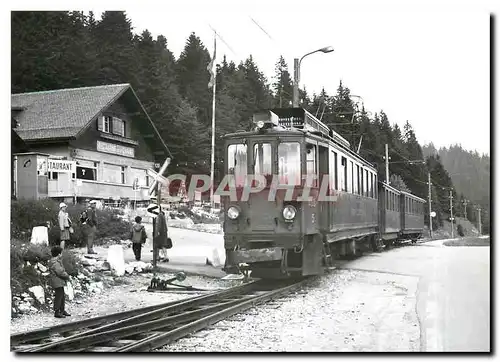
x=64 y=223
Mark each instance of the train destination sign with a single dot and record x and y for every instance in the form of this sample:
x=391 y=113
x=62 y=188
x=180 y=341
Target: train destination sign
x=61 y=166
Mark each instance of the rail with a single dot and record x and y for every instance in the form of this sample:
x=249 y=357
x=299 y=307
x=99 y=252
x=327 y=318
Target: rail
x=151 y=327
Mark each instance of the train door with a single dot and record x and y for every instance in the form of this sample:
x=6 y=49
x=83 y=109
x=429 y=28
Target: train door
x=311 y=182
x=323 y=207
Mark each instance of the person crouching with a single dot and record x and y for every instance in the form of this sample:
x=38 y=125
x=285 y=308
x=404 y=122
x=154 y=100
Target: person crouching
x=58 y=278
x=138 y=237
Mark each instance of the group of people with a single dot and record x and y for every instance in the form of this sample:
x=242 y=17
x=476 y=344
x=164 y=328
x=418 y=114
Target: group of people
x=88 y=220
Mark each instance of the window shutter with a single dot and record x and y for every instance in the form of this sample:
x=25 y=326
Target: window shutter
x=100 y=123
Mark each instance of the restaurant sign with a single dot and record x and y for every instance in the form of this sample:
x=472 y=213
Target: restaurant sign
x=61 y=166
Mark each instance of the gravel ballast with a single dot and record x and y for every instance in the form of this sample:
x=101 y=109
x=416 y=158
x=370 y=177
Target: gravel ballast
x=129 y=295
x=343 y=311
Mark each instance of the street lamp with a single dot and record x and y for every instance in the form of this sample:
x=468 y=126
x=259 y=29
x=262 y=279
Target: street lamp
x=296 y=73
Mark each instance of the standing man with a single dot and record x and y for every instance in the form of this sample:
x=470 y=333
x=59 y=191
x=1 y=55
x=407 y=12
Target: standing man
x=90 y=226
x=160 y=237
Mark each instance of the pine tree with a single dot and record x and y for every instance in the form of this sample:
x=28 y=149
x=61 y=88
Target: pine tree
x=282 y=87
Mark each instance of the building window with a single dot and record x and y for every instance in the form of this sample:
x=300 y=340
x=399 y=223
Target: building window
x=113 y=173
x=104 y=124
x=141 y=175
x=53 y=175
x=86 y=170
x=118 y=127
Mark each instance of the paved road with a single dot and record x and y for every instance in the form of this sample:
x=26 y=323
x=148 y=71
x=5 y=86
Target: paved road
x=453 y=292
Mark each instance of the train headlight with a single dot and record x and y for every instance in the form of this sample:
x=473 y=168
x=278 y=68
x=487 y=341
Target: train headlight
x=289 y=212
x=233 y=212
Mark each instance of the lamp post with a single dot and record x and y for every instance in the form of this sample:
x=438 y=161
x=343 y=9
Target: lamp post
x=296 y=73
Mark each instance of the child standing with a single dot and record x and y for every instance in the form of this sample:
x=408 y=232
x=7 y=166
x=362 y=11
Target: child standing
x=58 y=280
x=138 y=237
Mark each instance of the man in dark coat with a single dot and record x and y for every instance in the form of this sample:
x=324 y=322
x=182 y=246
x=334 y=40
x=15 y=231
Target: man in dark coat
x=58 y=278
x=90 y=226
x=160 y=237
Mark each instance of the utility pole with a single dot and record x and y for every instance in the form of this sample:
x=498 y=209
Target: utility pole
x=387 y=164
x=451 y=212
x=479 y=220
x=430 y=204
x=296 y=79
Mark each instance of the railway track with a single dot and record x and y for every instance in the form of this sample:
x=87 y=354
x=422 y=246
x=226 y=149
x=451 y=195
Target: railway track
x=148 y=328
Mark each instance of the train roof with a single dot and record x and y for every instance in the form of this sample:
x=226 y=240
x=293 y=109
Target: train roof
x=389 y=187
x=298 y=121
x=413 y=196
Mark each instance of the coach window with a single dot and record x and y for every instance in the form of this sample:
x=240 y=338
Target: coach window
x=289 y=163
x=351 y=172
x=370 y=186
x=343 y=174
x=333 y=171
x=386 y=199
x=311 y=167
x=355 y=180
x=237 y=163
x=366 y=183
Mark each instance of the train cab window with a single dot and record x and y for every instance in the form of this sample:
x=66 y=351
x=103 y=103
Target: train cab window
x=289 y=163
x=375 y=186
x=237 y=162
x=333 y=171
x=370 y=186
x=343 y=174
x=262 y=160
x=386 y=199
x=311 y=165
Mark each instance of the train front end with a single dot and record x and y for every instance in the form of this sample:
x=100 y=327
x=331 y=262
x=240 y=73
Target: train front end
x=268 y=229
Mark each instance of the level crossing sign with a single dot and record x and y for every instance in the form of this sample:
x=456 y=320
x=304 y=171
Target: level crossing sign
x=153 y=210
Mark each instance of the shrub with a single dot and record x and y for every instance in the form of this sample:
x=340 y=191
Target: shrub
x=460 y=230
x=24 y=276
x=26 y=214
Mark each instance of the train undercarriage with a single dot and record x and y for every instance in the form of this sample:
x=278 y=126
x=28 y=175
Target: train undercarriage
x=276 y=262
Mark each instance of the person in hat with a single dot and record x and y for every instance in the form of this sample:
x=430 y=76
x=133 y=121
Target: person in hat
x=89 y=223
x=64 y=223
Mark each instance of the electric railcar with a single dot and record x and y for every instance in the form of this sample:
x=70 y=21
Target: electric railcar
x=273 y=232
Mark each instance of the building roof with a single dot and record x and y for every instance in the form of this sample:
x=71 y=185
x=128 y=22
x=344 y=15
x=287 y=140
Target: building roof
x=63 y=113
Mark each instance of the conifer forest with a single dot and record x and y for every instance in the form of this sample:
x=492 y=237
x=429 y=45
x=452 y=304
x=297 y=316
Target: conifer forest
x=55 y=50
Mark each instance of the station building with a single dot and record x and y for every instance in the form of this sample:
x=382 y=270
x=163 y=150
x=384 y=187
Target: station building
x=85 y=143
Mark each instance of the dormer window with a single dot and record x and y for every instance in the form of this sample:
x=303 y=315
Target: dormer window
x=118 y=127
x=104 y=124
x=109 y=124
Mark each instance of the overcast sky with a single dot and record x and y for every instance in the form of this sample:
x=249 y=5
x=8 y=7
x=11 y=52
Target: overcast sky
x=426 y=64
